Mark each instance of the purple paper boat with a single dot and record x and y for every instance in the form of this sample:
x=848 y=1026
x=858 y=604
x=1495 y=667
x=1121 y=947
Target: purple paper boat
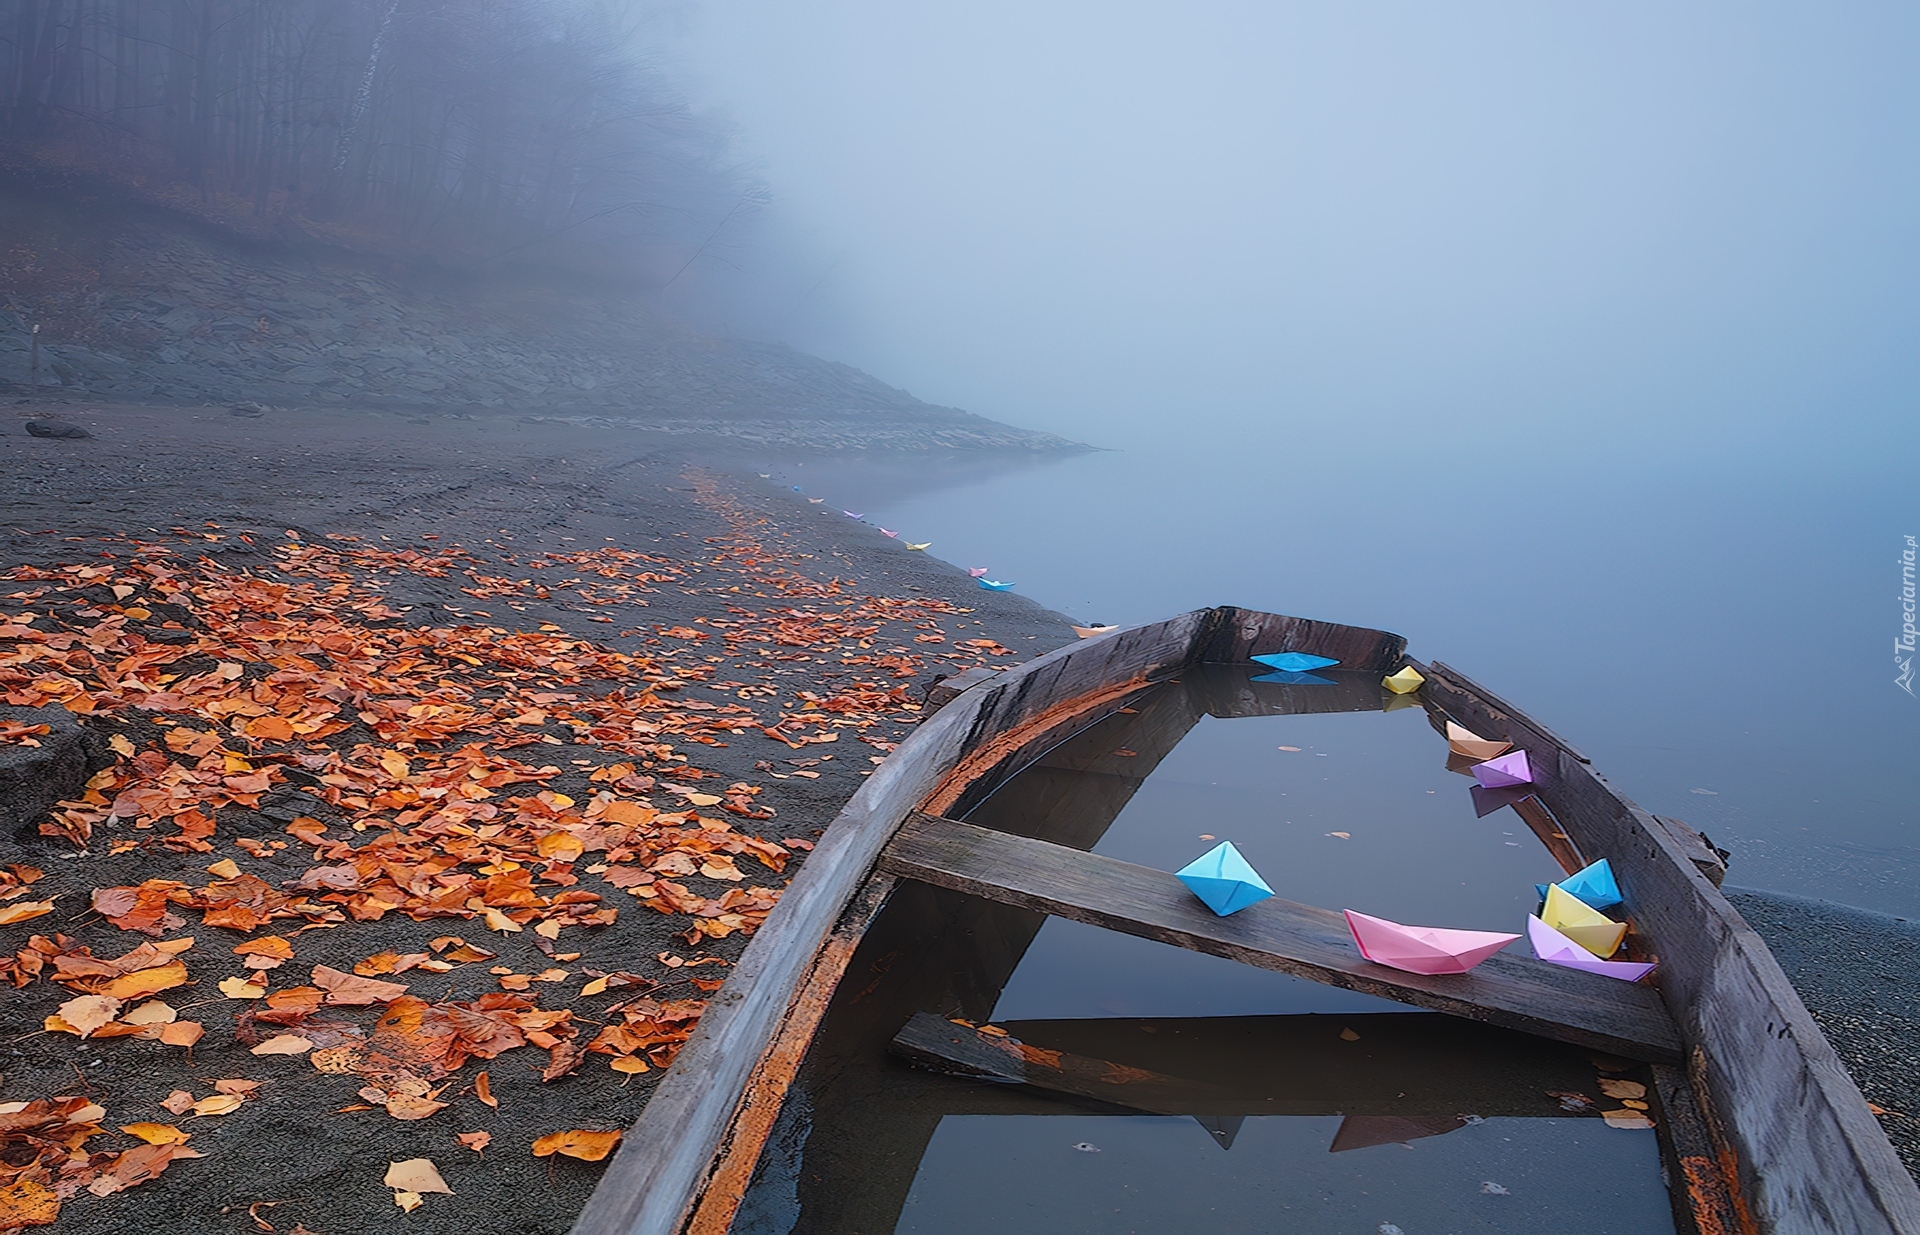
x=1422 y=949
x=1556 y=949
x=1508 y=769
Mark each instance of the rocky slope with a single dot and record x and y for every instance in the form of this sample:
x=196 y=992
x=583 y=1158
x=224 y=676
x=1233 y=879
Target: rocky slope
x=136 y=306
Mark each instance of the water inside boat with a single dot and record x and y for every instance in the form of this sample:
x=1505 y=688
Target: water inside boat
x=1180 y=1091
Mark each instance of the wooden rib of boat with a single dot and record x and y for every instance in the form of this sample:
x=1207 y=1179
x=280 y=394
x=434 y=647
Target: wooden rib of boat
x=1762 y=1130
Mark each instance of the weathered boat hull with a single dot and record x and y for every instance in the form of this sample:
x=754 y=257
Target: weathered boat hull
x=1762 y=1128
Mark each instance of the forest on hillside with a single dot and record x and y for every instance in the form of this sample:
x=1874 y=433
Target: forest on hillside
x=469 y=132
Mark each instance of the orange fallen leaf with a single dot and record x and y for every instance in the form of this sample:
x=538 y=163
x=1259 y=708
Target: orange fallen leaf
x=266 y=945
x=152 y=1012
x=632 y=1065
x=240 y=988
x=22 y=912
x=476 y=1141
x=347 y=991
x=244 y=1089
x=26 y=1203
x=218 y=1104
x=407 y=1106
x=581 y=1143
x=182 y=1033
x=145 y=982
x=483 y=1090
x=225 y=869
x=179 y=1102
x=284 y=1044
x=156 y=1134
x=137 y=1166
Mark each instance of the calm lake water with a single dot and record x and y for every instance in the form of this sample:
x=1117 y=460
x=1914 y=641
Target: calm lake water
x=1714 y=628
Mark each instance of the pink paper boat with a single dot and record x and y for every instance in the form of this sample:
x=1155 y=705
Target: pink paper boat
x=978 y=572
x=1556 y=949
x=1508 y=769
x=1423 y=949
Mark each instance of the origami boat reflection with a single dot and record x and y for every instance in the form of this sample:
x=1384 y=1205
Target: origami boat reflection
x=1422 y=949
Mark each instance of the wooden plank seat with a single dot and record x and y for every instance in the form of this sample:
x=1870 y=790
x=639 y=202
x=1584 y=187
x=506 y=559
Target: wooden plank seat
x=1517 y=993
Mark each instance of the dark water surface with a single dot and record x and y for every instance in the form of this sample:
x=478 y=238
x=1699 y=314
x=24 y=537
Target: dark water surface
x=1282 y=1104
x=1714 y=629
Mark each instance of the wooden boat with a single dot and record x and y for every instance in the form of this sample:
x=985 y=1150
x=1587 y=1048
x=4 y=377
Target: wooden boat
x=1761 y=1128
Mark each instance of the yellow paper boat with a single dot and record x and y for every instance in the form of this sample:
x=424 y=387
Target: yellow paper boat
x=1088 y=632
x=925 y=544
x=1589 y=928
x=1464 y=741
x=1404 y=682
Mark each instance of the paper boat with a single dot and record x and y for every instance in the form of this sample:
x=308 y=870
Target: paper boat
x=1508 y=769
x=994 y=585
x=887 y=534
x=925 y=544
x=1295 y=679
x=1595 y=932
x=1464 y=741
x=1594 y=886
x=1556 y=949
x=1088 y=632
x=1224 y=880
x=1404 y=682
x=978 y=572
x=1366 y=1131
x=1293 y=662
x=1422 y=949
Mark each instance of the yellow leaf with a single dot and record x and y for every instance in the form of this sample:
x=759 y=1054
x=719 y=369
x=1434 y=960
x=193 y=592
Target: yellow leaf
x=25 y=910
x=1626 y=1119
x=629 y=1064
x=416 y=1175
x=121 y=745
x=548 y=929
x=156 y=1134
x=395 y=765
x=702 y=799
x=240 y=988
x=497 y=921
x=1614 y=1087
x=407 y=1201
x=581 y=1143
x=224 y=868
x=284 y=1044
x=143 y=982
x=594 y=987
x=218 y=1104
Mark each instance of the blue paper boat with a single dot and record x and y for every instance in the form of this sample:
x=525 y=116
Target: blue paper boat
x=1296 y=679
x=994 y=585
x=1223 y=879
x=1294 y=662
x=1594 y=887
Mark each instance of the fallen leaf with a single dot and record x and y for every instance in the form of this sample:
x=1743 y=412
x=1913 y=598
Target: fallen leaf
x=407 y=1106
x=218 y=1104
x=1614 y=1087
x=629 y=1064
x=182 y=1033
x=25 y=911
x=284 y=1044
x=594 y=987
x=483 y=1090
x=156 y=1134
x=581 y=1143
x=179 y=1102
x=1342 y=835
x=697 y=799
x=244 y=1089
x=152 y=1012
x=1349 y=1035
x=476 y=1141
x=240 y=988
x=84 y=1015
x=225 y=869
x=407 y=1201
x=121 y=745
x=273 y=946
x=26 y=1203
x=416 y=1175
x=137 y=1166
x=347 y=991
x=145 y=982
x=1626 y=1119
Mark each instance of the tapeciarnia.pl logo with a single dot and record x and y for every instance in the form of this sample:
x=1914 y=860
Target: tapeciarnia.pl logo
x=1903 y=646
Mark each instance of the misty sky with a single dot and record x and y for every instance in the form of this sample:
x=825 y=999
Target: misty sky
x=1652 y=226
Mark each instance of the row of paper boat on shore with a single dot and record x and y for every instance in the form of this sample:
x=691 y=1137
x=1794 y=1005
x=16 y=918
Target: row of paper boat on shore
x=1569 y=930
